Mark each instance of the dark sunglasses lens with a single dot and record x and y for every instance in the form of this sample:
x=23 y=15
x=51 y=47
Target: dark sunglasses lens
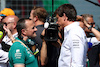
x=93 y=23
x=5 y=24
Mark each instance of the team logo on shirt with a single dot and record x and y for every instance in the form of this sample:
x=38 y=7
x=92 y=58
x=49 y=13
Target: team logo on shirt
x=18 y=54
x=75 y=43
x=17 y=50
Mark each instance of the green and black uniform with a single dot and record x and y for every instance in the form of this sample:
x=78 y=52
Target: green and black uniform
x=19 y=54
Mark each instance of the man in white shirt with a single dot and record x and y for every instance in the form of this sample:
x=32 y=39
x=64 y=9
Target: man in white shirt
x=74 y=47
x=10 y=22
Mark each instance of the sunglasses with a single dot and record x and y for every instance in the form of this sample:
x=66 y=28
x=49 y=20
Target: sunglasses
x=92 y=23
x=6 y=23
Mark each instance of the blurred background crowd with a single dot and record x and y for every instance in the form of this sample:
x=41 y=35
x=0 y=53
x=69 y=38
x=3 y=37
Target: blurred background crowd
x=22 y=7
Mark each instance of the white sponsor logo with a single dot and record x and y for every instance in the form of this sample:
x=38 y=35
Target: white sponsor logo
x=18 y=54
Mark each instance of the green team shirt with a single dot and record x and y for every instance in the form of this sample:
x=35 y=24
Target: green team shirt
x=19 y=54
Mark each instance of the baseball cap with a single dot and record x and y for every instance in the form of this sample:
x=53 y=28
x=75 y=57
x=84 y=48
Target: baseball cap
x=7 y=12
x=2 y=15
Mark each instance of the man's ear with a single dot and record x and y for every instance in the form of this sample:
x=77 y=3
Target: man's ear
x=65 y=17
x=36 y=18
x=23 y=31
x=15 y=25
x=64 y=14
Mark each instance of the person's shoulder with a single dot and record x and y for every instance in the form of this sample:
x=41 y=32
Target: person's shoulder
x=77 y=29
x=16 y=45
x=75 y=26
x=40 y=27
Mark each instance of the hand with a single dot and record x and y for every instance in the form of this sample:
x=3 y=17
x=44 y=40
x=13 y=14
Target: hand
x=85 y=23
x=79 y=18
x=8 y=32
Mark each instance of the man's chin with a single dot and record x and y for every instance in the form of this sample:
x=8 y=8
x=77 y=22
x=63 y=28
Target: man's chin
x=34 y=35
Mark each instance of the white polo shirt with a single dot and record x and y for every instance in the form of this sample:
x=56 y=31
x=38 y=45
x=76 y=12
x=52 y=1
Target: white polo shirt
x=74 y=47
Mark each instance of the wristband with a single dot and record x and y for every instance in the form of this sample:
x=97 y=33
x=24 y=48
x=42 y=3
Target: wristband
x=90 y=27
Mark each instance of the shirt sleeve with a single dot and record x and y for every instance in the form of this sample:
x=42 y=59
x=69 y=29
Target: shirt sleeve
x=77 y=51
x=93 y=40
x=18 y=55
